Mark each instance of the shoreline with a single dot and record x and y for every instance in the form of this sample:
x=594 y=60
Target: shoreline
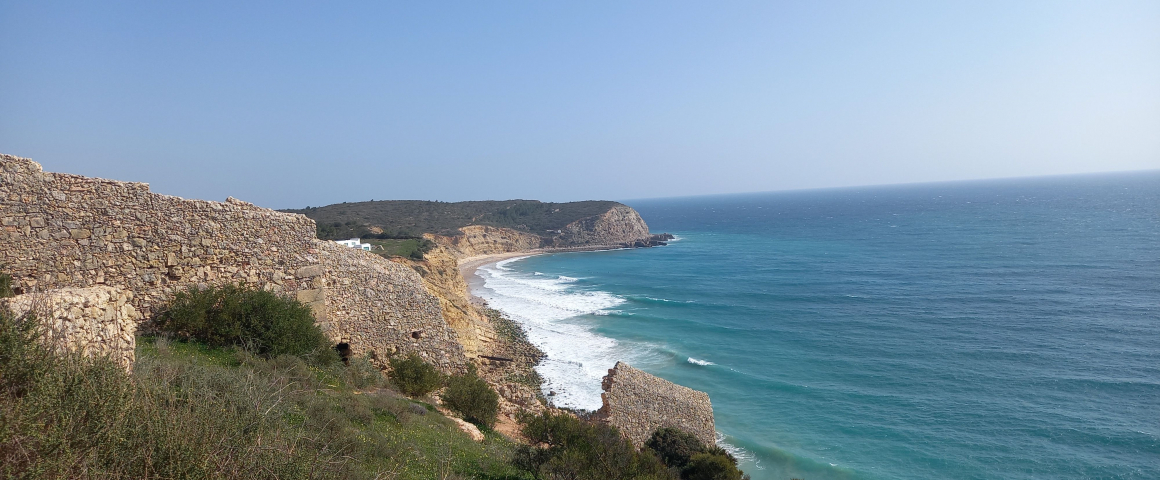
x=549 y=383
x=468 y=265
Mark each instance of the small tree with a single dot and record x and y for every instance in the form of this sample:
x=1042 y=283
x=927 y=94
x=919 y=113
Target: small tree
x=413 y=376
x=675 y=447
x=473 y=398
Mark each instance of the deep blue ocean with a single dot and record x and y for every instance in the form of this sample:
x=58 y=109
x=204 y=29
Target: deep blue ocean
x=973 y=330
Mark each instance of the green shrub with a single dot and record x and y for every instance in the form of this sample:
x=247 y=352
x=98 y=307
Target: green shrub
x=259 y=321
x=581 y=449
x=712 y=466
x=472 y=397
x=413 y=376
x=6 y=286
x=675 y=447
x=361 y=374
x=22 y=358
x=691 y=457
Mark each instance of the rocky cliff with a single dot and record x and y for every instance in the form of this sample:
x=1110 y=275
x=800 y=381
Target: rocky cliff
x=475 y=240
x=620 y=225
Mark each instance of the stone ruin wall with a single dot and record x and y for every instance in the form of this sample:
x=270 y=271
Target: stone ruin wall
x=94 y=321
x=376 y=305
x=638 y=404
x=59 y=230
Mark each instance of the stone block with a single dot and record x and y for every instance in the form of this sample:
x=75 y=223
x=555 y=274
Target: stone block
x=311 y=296
x=310 y=271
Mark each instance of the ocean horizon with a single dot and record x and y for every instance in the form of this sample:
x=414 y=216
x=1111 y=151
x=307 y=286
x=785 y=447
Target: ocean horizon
x=961 y=330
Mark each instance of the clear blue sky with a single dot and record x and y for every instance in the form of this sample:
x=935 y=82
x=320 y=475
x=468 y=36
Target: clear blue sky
x=289 y=104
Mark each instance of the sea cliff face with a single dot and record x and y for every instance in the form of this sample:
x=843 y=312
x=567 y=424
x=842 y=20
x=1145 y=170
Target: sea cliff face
x=620 y=225
x=478 y=240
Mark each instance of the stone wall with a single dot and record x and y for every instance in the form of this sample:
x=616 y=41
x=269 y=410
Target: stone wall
x=95 y=321
x=380 y=307
x=638 y=403
x=60 y=230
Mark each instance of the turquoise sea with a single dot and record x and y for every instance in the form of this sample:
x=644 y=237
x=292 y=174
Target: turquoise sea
x=973 y=330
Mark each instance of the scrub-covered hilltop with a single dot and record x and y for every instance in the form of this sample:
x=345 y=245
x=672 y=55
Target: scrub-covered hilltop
x=535 y=224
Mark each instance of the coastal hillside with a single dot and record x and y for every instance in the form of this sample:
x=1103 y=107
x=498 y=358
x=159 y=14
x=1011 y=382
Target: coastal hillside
x=411 y=218
x=99 y=278
x=468 y=226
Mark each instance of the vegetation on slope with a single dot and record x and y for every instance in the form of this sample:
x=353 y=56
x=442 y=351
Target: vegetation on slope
x=412 y=218
x=413 y=248
x=192 y=409
x=235 y=316
x=471 y=397
x=6 y=285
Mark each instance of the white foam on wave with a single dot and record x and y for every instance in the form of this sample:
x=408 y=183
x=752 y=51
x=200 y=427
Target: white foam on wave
x=742 y=455
x=551 y=310
x=695 y=361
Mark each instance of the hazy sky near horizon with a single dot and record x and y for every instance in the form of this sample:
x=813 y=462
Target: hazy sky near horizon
x=289 y=104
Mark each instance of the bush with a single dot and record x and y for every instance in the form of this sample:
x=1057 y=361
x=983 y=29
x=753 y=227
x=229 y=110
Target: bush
x=580 y=449
x=472 y=397
x=22 y=358
x=6 y=286
x=413 y=376
x=674 y=447
x=259 y=321
x=712 y=466
x=692 y=458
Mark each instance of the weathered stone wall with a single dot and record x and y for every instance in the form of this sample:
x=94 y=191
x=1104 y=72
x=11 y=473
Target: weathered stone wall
x=638 y=403
x=376 y=305
x=95 y=321
x=60 y=230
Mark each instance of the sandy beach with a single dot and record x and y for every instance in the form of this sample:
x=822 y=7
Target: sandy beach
x=468 y=265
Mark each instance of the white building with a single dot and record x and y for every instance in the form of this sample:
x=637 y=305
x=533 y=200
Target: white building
x=354 y=243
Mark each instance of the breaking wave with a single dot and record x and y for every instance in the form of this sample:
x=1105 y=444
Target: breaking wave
x=552 y=309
